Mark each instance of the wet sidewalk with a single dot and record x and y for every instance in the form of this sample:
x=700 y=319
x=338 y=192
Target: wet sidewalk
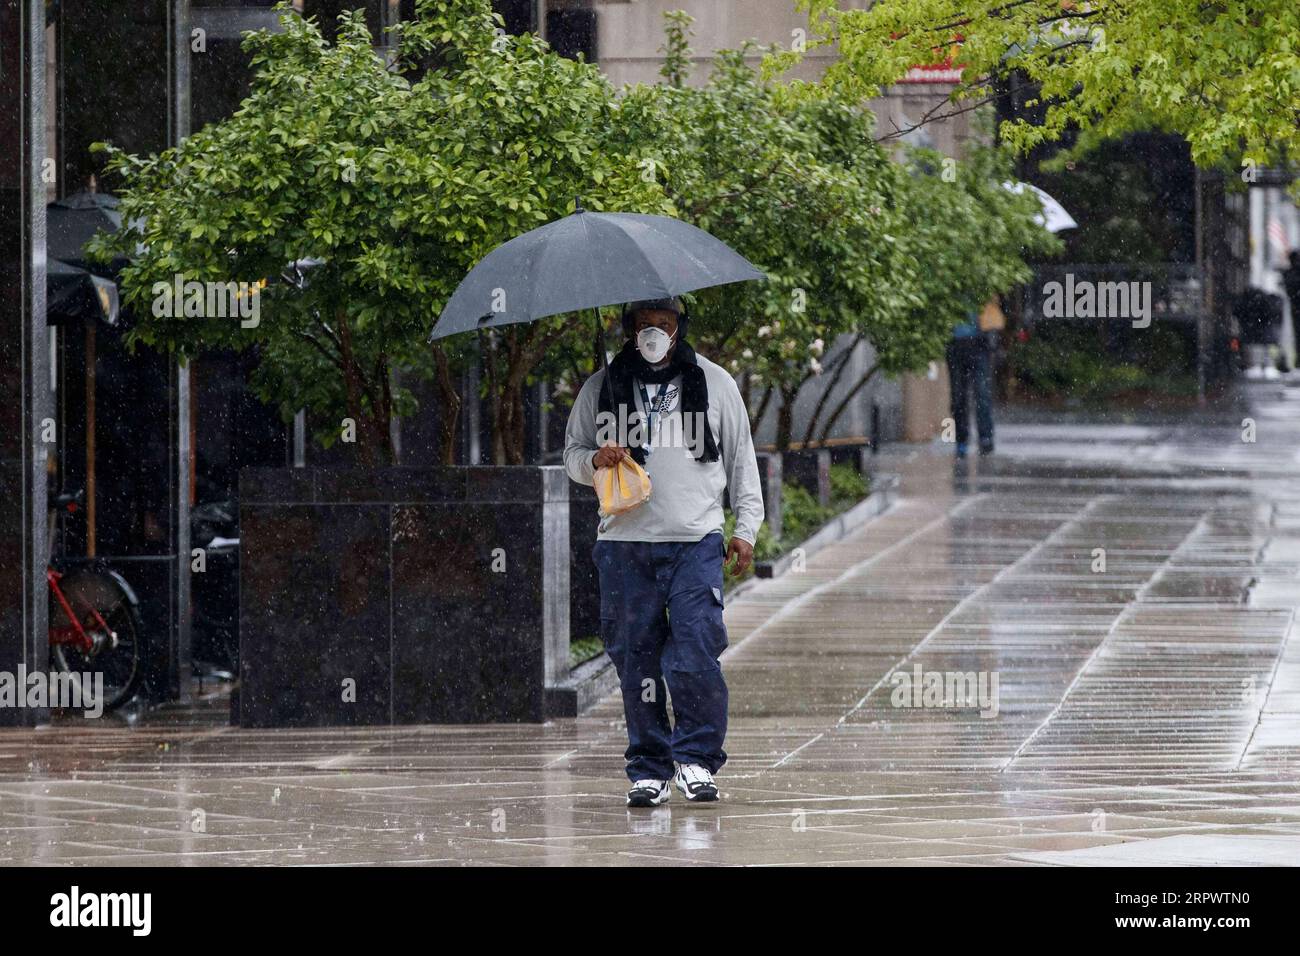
x=1109 y=611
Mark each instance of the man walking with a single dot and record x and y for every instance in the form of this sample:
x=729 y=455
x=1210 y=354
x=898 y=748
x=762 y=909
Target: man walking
x=661 y=564
x=970 y=370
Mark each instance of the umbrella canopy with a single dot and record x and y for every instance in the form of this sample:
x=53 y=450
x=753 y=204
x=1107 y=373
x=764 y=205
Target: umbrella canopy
x=587 y=260
x=74 y=295
x=73 y=220
x=1053 y=218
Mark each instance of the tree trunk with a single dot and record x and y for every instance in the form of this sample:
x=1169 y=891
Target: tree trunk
x=844 y=402
x=373 y=438
x=842 y=362
x=451 y=406
x=509 y=361
x=519 y=363
x=354 y=385
x=507 y=427
x=756 y=417
x=488 y=356
x=524 y=350
x=512 y=409
x=785 y=418
x=384 y=419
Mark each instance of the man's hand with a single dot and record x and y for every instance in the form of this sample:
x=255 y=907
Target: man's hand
x=743 y=552
x=609 y=456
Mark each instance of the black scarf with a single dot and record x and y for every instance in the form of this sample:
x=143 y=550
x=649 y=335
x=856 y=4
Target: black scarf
x=628 y=366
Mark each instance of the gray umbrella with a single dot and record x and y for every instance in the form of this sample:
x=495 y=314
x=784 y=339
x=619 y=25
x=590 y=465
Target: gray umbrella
x=71 y=222
x=586 y=260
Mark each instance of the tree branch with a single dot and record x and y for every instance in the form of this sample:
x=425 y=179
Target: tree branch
x=844 y=403
x=842 y=362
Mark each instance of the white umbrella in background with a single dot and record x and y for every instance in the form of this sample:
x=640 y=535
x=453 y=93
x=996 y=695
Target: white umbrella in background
x=1053 y=218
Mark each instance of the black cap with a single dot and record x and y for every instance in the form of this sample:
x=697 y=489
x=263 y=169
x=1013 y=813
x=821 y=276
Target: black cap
x=674 y=305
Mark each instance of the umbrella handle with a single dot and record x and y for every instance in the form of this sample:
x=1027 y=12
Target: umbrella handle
x=604 y=358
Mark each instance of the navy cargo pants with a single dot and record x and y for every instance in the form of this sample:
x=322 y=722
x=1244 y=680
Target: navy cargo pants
x=661 y=623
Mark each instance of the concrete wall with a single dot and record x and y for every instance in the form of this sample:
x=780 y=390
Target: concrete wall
x=631 y=34
x=631 y=37
x=856 y=423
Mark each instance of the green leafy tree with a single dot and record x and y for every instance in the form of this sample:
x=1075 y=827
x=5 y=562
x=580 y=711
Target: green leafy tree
x=1224 y=74
x=513 y=133
x=749 y=165
x=677 y=47
x=393 y=179
x=299 y=172
x=1132 y=198
x=856 y=247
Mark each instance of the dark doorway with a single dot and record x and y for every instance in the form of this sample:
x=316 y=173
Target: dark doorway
x=572 y=33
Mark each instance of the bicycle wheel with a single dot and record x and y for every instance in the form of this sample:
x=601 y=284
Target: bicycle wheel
x=95 y=595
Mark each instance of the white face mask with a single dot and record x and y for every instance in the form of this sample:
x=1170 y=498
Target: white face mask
x=653 y=344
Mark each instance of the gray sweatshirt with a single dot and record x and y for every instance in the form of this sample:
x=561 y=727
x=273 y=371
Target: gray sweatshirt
x=686 y=495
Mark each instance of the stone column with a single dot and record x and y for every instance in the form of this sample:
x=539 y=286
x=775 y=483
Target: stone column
x=26 y=411
x=182 y=459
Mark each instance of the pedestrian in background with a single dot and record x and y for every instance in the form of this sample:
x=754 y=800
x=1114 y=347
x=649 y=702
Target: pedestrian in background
x=1291 y=283
x=970 y=369
x=1259 y=320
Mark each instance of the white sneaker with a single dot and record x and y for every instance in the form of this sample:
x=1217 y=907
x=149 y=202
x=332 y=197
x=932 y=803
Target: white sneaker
x=648 y=793
x=695 y=783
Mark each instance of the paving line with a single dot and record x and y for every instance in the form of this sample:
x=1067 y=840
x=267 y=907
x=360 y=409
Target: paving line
x=946 y=516
x=1272 y=677
x=845 y=575
x=1096 y=651
x=1028 y=555
x=796 y=750
x=853 y=569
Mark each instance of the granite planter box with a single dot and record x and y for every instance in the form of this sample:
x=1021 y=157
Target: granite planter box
x=771 y=474
x=810 y=470
x=431 y=595
x=584 y=584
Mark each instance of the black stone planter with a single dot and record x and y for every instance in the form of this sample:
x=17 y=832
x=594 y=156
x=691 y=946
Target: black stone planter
x=442 y=595
x=584 y=601
x=810 y=470
x=772 y=474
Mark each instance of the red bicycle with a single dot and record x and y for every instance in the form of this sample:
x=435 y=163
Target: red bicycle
x=95 y=625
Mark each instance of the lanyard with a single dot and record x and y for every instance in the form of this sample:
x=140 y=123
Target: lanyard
x=652 y=413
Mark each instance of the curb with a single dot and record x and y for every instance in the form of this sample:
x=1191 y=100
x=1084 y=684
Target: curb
x=587 y=683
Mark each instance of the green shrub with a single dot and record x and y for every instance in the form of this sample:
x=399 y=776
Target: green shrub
x=583 y=649
x=801 y=514
x=848 y=486
x=1093 y=365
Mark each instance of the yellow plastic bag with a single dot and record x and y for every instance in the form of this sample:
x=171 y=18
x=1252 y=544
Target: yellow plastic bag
x=622 y=487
